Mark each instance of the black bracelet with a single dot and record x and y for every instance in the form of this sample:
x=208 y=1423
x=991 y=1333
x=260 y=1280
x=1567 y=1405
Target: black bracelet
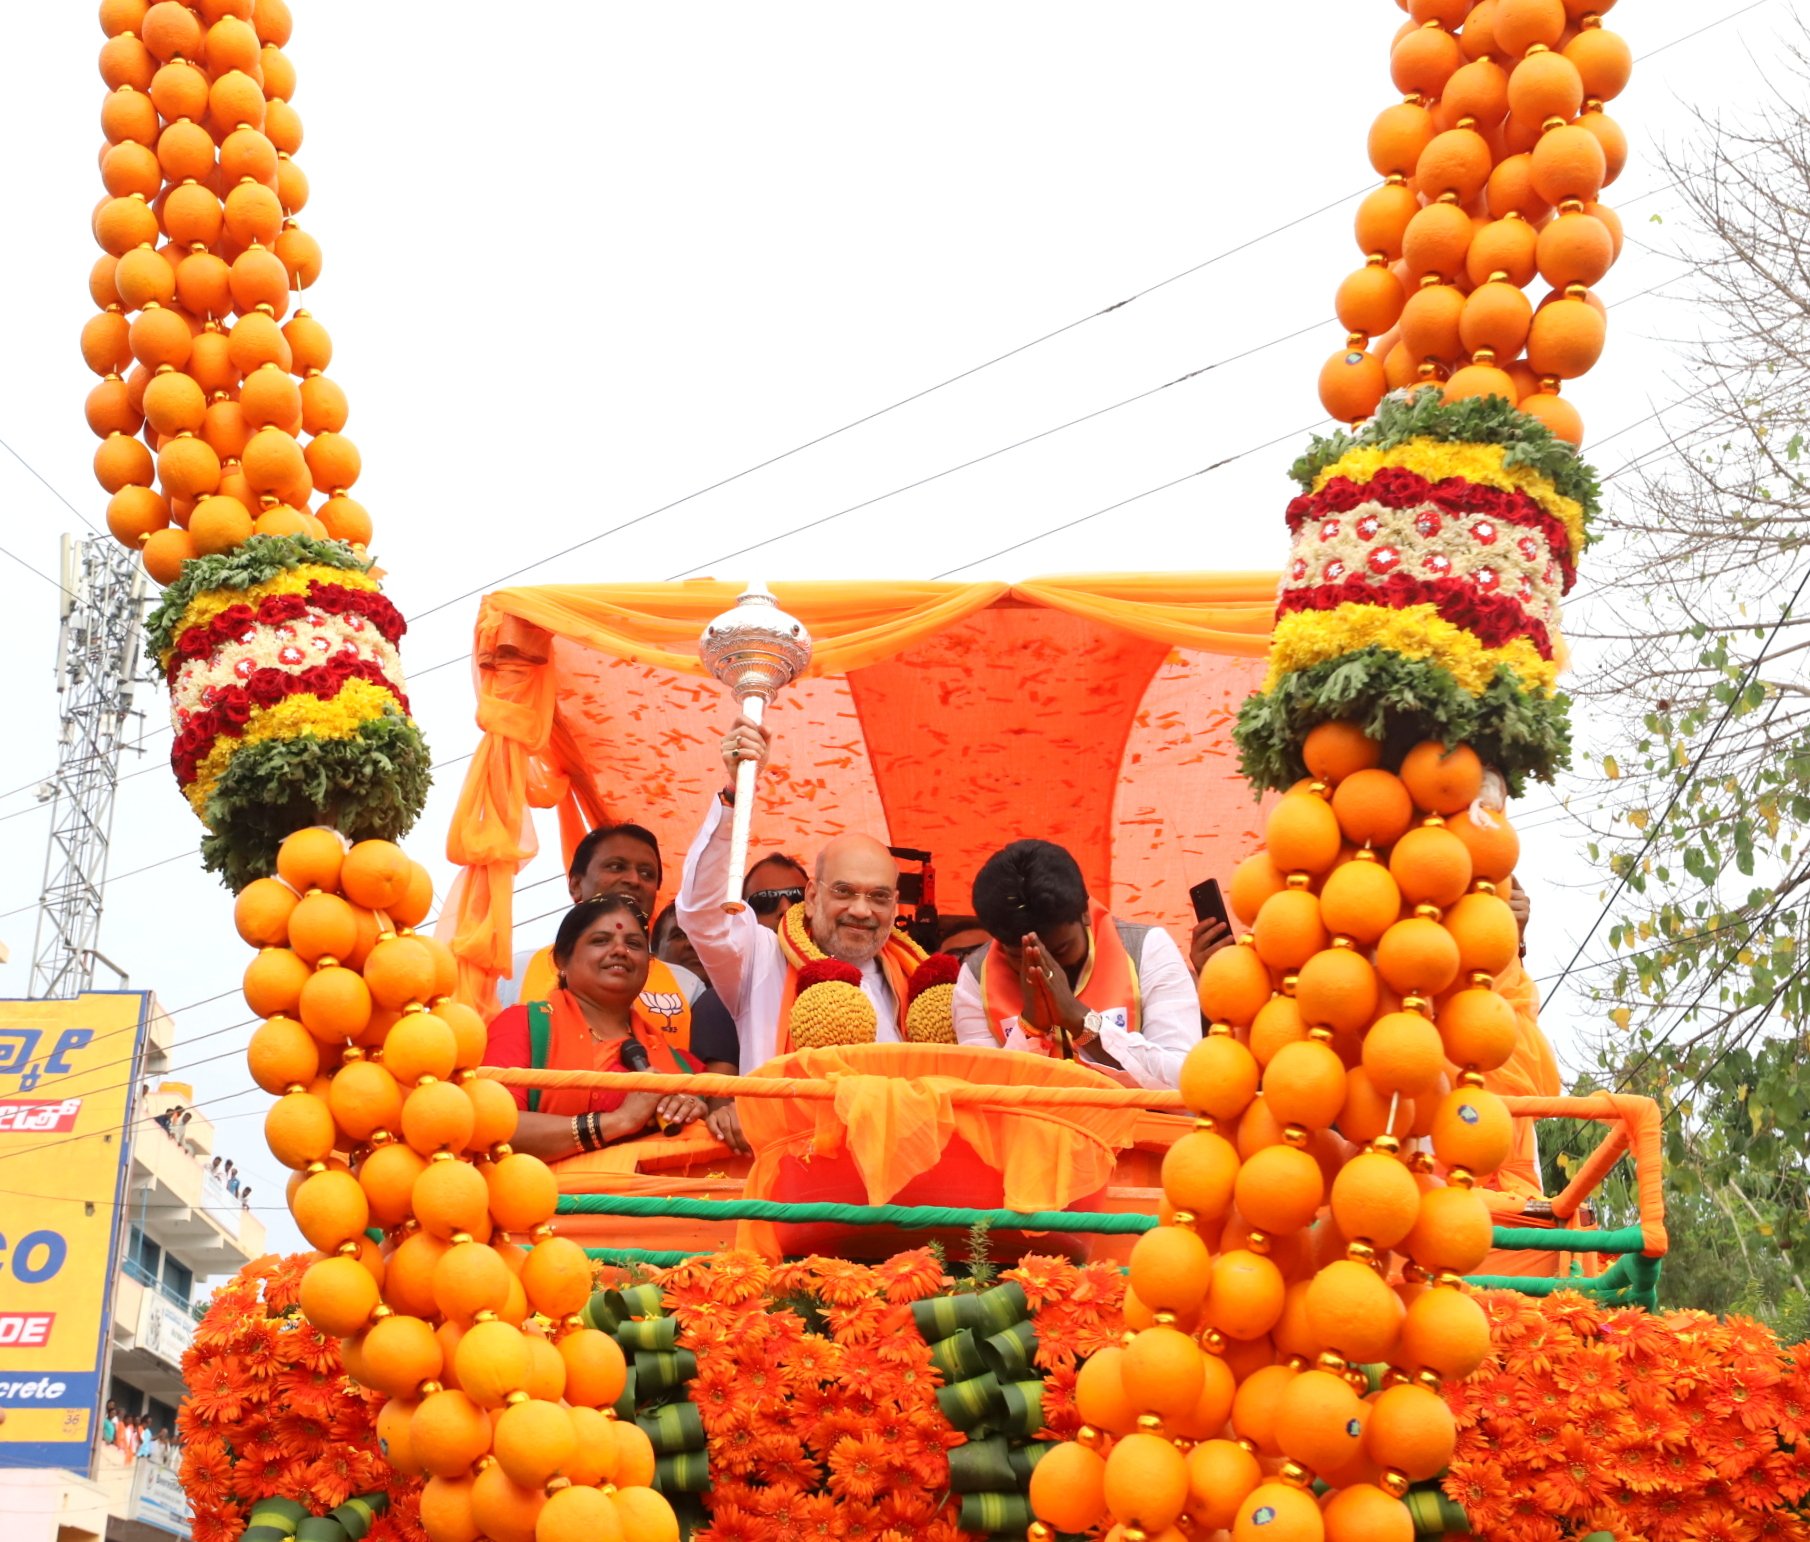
x=588 y=1130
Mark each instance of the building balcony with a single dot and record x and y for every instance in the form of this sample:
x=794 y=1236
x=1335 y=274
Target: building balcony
x=173 y=1199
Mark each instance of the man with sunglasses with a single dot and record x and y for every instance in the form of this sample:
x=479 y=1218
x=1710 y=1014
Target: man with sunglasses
x=773 y=886
x=846 y=912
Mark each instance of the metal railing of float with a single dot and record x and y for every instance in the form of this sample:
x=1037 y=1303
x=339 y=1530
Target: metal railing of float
x=1634 y=1131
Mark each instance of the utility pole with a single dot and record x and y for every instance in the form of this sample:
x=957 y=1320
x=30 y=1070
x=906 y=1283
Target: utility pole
x=97 y=667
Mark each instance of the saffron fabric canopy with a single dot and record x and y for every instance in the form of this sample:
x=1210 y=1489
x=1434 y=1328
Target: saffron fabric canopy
x=1093 y=711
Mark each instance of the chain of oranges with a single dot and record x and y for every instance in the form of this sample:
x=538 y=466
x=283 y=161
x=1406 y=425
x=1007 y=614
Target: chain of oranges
x=499 y=1394
x=206 y=390
x=1493 y=165
x=1294 y=1317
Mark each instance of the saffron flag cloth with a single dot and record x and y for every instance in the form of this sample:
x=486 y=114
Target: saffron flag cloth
x=1094 y=711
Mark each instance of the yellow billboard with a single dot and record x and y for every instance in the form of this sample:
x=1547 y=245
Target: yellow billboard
x=66 y=1090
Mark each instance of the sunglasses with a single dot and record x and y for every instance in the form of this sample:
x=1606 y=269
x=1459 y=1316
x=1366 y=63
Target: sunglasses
x=764 y=902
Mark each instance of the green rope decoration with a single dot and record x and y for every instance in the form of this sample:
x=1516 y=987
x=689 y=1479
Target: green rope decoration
x=256 y=561
x=1401 y=701
x=1416 y=414
x=910 y=1217
x=369 y=786
x=1625 y=1239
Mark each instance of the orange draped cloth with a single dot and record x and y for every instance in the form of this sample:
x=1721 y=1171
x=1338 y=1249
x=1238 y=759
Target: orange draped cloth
x=933 y=715
x=1532 y=1071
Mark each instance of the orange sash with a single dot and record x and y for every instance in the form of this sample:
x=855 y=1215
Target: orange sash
x=661 y=1000
x=1108 y=983
x=570 y=1047
x=899 y=957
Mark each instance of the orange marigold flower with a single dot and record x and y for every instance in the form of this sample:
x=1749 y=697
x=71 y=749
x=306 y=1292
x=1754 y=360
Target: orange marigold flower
x=858 y=1467
x=1747 y=1393
x=217 y=1524
x=1789 y=1473
x=1594 y=1372
x=217 y=1393
x=1576 y=1479
x=731 y=1523
x=1045 y=1277
x=913 y=1276
x=1482 y=1489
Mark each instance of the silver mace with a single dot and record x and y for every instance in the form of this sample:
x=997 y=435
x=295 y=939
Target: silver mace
x=754 y=648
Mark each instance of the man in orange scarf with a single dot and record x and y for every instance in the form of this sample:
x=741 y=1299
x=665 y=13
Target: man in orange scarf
x=850 y=901
x=1064 y=977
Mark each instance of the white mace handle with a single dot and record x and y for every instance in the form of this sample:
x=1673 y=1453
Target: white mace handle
x=754 y=708
x=755 y=649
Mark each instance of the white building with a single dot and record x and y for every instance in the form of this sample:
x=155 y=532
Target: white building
x=181 y=1228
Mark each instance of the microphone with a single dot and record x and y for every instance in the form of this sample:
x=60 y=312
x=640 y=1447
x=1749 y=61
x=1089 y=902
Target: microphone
x=634 y=1058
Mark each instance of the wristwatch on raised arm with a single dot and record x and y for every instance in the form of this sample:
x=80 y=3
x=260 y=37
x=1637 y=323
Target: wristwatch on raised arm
x=1091 y=1025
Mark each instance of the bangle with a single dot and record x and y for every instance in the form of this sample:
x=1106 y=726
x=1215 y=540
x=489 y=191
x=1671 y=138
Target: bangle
x=587 y=1130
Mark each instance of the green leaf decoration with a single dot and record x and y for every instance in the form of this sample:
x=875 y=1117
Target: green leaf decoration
x=256 y=561
x=1420 y=414
x=1401 y=701
x=369 y=786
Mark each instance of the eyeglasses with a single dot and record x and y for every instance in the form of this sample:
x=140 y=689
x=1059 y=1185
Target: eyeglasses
x=880 y=899
x=764 y=902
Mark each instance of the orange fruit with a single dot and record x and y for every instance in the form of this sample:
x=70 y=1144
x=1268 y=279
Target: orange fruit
x=446 y=1510
x=1162 y=1372
x=1411 y=1430
x=218 y=525
x=338 y=1295
x=450 y=1196
x=1517 y=25
x=1397 y=137
x=557 y=1276
x=1423 y=61
x=1566 y=338
x=1456 y=161
x=1372 y=807
x=546 y=1371
x=1318 y=1423
x=273 y=982
x=1220 y=1474
x=1545 y=85
x=447 y=1433
x=1442 y=781
x=502 y=1508
x=376 y=874
x=1146 y=1481
x=1403 y=1055
x=408 y=1282
x=1446 y=1332
x=644 y=1514
x=1575 y=249
x=470 y=1278
x=1209 y=1414
x=1288 y=930
x=533 y=1442
x=1557 y=414
x=334 y=1004
x=1477 y=90
x=1068 y=1488
x=1256 y=1130
x=299 y=1129
x=393 y=1421
x=418 y=1045
x=595 y=1459
x=1603 y=62
x=1257 y=1406
x=399 y=1354
x=492 y=1362
x=1352 y=382
x=1336 y=989
x=595 y=1369
x=523 y=1193
x=1369 y=301
x=1293 y=1333
x=1278 y=1022
x=1417 y=956
x=400 y=971
x=310 y=859
x=580 y=1514
x=1375 y=1199
x=1430 y=321
x=1302 y=834
x=1279 y=1512
x=1435 y=242
x=1491 y=841
x=1363 y=1512
x=1279 y=1190
x=1484 y=928
x=1565 y=163
x=1353 y=1311
x=282 y=1054
x=1430 y=866
x=1198 y=1173
x=494 y=1114
x=1472 y=1129
x=333 y=462
x=320 y=924
x=1478 y=1028
x=388 y=1177
x=330 y=1208
x=1496 y=316
x=1379 y=224
x=1360 y=900
x=1233 y=984
x=438 y=1117
x=1169 y=1269
x=1452 y=1232
x=1305 y=1084
x=1245 y=1300
x=1219 y=1076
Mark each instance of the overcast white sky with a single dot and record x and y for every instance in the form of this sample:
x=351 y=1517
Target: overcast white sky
x=587 y=260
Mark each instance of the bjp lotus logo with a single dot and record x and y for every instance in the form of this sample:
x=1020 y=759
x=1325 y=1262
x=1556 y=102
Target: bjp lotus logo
x=666 y=1005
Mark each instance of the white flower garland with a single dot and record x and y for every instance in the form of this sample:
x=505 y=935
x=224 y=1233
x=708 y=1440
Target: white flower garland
x=317 y=638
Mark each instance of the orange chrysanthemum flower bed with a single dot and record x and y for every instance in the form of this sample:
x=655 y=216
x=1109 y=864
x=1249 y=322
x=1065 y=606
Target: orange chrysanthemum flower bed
x=1652 y=1427
x=271 y=1413
x=819 y=1399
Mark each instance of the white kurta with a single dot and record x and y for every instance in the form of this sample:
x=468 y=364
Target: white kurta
x=746 y=965
x=1152 y=1057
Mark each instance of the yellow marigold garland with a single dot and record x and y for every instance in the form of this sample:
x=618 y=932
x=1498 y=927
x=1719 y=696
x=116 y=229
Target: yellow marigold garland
x=1305 y=638
x=213 y=602
x=833 y=1012
x=356 y=703
x=931 y=1017
x=1437 y=459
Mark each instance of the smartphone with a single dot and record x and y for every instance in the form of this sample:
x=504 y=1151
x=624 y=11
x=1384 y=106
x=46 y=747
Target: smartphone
x=1209 y=903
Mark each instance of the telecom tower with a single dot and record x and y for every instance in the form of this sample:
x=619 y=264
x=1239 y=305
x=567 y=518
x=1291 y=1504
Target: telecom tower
x=97 y=668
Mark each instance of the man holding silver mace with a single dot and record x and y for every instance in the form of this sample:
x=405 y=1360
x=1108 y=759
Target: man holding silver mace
x=851 y=896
